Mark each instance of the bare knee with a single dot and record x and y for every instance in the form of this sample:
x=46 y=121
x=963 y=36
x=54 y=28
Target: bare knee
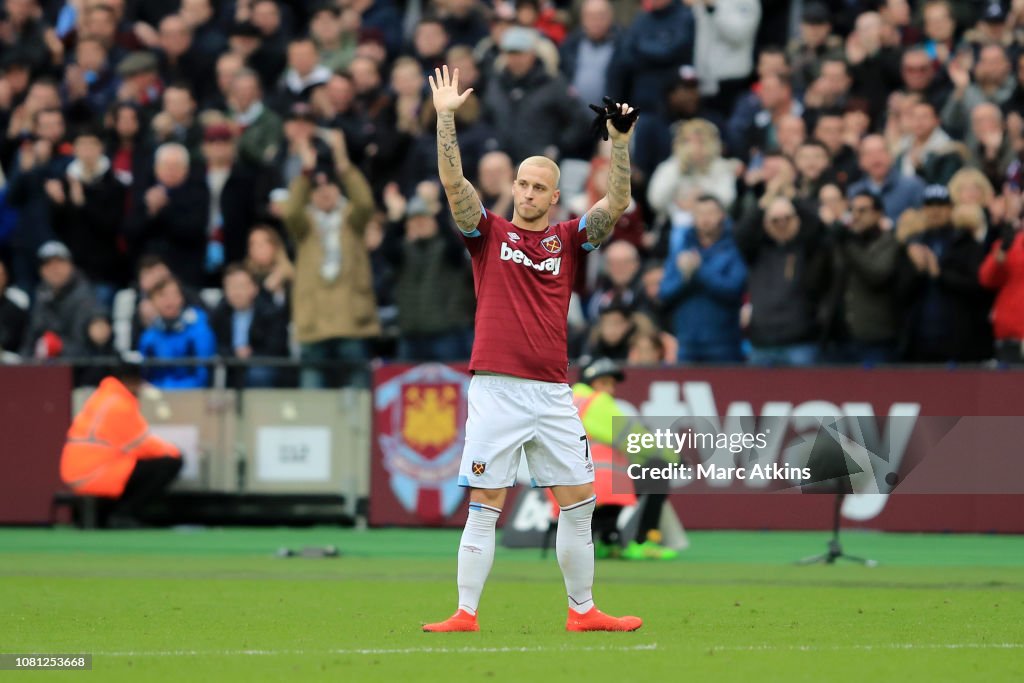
x=493 y=497
x=570 y=495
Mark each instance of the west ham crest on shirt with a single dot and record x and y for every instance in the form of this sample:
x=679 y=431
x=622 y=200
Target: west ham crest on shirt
x=552 y=244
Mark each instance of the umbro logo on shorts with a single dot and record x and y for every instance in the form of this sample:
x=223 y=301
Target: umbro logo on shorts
x=479 y=467
x=548 y=265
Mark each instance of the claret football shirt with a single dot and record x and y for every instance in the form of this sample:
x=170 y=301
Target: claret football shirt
x=523 y=281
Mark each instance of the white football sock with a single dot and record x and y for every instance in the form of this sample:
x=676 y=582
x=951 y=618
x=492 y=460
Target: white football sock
x=476 y=554
x=574 y=545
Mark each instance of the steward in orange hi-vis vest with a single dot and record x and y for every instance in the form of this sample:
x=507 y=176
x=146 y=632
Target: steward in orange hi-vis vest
x=107 y=440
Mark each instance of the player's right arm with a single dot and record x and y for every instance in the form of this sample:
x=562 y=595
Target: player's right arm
x=462 y=197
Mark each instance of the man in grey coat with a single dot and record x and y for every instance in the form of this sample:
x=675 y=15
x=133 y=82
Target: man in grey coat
x=64 y=304
x=531 y=110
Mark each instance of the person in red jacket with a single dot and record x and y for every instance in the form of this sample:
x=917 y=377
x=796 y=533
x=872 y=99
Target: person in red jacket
x=1003 y=271
x=110 y=452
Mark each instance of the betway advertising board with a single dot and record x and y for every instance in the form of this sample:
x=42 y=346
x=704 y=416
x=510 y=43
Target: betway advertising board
x=931 y=449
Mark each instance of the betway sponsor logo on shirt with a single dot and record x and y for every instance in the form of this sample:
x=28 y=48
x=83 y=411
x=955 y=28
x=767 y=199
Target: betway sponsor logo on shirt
x=548 y=265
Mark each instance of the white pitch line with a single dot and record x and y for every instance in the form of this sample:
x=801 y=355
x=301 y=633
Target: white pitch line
x=375 y=651
x=612 y=648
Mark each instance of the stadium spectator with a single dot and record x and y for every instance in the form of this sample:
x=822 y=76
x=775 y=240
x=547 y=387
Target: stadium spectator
x=261 y=128
x=237 y=194
x=723 y=51
x=660 y=39
x=152 y=269
x=13 y=316
x=129 y=158
x=861 y=311
x=86 y=205
x=170 y=216
x=619 y=284
x=588 y=51
x=948 y=320
x=464 y=22
x=832 y=205
x=333 y=310
x=429 y=43
x=815 y=44
x=791 y=132
x=427 y=258
x=89 y=85
x=176 y=120
x=831 y=90
x=207 y=36
x=179 y=331
x=305 y=72
x=268 y=60
x=787 y=267
x=828 y=128
x=813 y=171
x=247 y=326
x=873 y=65
x=42 y=155
x=1003 y=272
x=921 y=77
x=530 y=110
x=267 y=259
x=703 y=287
x=993 y=83
x=335 y=34
x=381 y=18
x=928 y=152
x=23 y=31
x=495 y=177
x=881 y=177
x=696 y=167
x=656 y=130
x=760 y=132
x=140 y=81
x=62 y=305
x=97 y=347
x=611 y=333
x=989 y=147
x=939 y=31
x=180 y=59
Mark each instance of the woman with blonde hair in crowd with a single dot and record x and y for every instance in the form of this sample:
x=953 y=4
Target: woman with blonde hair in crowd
x=267 y=259
x=696 y=167
x=970 y=187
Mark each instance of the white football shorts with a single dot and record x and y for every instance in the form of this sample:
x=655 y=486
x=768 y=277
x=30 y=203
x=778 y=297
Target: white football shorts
x=509 y=416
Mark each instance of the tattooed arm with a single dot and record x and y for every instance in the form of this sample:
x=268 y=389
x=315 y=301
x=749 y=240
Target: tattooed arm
x=603 y=216
x=462 y=197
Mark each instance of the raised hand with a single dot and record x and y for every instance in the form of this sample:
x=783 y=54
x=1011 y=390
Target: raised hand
x=446 y=90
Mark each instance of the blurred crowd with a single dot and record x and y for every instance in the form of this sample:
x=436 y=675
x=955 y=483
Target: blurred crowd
x=814 y=182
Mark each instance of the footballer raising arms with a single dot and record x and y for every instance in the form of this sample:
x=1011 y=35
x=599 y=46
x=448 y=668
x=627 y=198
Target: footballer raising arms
x=519 y=400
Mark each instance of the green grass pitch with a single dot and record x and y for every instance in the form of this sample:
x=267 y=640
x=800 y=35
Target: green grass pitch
x=217 y=605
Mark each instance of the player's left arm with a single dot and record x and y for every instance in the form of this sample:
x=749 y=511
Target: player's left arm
x=602 y=217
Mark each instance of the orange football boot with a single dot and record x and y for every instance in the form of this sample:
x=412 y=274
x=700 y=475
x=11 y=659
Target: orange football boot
x=596 y=620
x=460 y=621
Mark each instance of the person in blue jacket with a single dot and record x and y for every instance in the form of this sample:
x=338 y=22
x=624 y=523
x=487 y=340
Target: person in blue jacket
x=703 y=286
x=179 y=331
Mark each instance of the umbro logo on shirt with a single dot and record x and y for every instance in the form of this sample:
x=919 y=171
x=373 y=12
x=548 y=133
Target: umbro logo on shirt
x=514 y=237
x=549 y=265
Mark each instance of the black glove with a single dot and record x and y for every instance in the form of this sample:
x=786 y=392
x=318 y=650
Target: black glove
x=610 y=112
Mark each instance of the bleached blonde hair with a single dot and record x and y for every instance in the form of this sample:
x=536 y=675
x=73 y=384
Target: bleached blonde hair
x=543 y=162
